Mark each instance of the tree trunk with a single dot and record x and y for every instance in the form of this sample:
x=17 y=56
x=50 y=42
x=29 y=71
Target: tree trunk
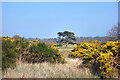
x=66 y=45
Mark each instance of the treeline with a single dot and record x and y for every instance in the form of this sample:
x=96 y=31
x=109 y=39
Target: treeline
x=42 y=40
x=102 y=39
x=78 y=39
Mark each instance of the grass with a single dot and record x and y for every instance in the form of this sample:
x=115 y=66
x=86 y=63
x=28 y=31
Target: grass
x=70 y=46
x=64 y=50
x=46 y=70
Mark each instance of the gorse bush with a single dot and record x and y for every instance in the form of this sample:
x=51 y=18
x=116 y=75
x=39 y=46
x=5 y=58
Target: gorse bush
x=42 y=52
x=21 y=47
x=101 y=56
x=8 y=54
x=28 y=51
x=21 y=43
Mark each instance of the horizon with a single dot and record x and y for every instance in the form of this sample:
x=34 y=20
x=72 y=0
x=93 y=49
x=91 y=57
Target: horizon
x=55 y=37
x=45 y=19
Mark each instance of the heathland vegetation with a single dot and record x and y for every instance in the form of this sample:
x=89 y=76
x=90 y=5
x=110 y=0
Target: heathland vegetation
x=64 y=59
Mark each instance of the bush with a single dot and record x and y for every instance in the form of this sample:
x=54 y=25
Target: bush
x=13 y=49
x=59 y=45
x=8 y=54
x=102 y=56
x=42 y=52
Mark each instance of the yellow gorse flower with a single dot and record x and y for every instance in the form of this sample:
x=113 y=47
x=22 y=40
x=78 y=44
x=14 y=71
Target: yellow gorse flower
x=97 y=50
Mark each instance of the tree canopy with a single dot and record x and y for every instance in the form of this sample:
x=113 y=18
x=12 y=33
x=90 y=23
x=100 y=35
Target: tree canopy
x=66 y=37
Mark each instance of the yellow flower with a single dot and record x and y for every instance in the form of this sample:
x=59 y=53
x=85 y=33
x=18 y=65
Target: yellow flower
x=108 y=69
x=100 y=67
x=113 y=48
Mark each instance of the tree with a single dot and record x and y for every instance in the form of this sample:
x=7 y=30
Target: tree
x=16 y=36
x=60 y=34
x=66 y=37
x=113 y=33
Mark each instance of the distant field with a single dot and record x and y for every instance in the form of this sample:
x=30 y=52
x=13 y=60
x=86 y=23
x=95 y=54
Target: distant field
x=70 y=46
x=62 y=50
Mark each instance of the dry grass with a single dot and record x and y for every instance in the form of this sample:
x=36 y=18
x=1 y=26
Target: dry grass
x=47 y=70
x=64 y=50
x=70 y=46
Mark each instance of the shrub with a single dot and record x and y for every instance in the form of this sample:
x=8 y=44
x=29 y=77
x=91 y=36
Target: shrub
x=13 y=49
x=95 y=54
x=8 y=54
x=59 y=45
x=42 y=52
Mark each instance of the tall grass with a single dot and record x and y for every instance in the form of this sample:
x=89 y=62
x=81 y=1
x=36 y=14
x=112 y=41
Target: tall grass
x=47 y=70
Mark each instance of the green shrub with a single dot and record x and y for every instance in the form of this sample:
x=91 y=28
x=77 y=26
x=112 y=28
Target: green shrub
x=42 y=52
x=21 y=43
x=8 y=54
x=13 y=49
x=21 y=47
x=59 y=45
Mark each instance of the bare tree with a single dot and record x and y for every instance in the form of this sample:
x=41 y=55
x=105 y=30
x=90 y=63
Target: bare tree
x=113 y=33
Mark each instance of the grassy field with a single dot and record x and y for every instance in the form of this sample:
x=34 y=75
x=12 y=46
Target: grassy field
x=70 y=69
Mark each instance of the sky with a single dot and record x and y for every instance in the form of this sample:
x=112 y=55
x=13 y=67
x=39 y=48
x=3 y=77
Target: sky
x=46 y=19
